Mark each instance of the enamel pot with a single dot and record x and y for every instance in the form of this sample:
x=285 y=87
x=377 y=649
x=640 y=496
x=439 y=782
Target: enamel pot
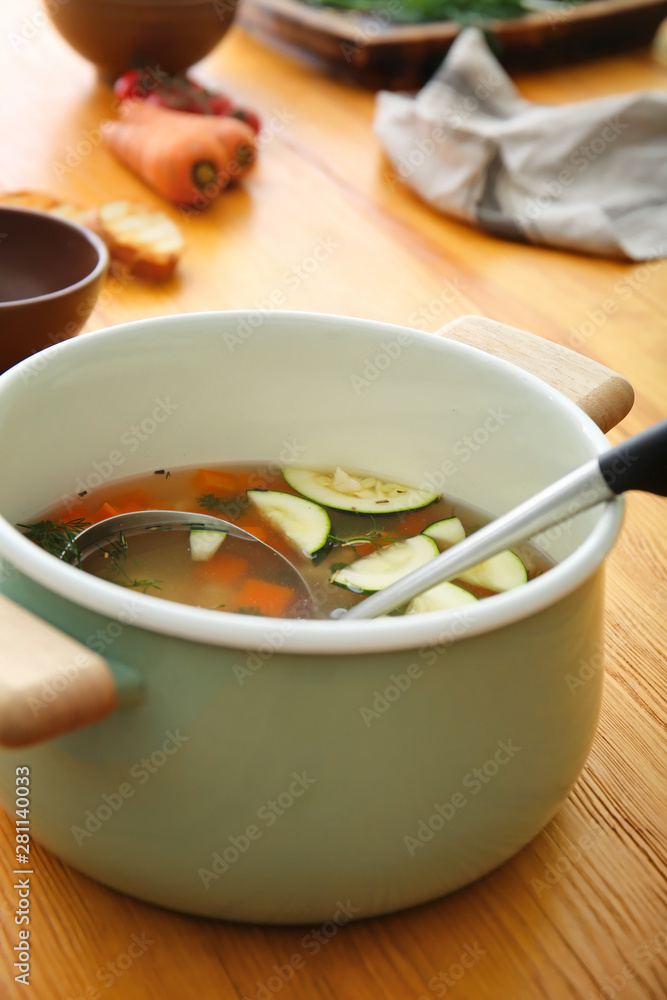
x=264 y=770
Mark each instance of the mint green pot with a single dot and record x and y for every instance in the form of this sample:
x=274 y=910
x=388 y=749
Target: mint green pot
x=268 y=771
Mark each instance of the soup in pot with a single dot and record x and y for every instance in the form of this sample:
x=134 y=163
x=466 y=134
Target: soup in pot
x=347 y=533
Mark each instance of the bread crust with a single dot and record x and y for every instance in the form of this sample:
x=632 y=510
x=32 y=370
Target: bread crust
x=143 y=241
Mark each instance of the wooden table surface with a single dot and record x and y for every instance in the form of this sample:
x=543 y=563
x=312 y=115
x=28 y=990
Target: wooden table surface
x=581 y=912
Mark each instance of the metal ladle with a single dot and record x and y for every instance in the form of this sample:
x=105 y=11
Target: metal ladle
x=640 y=463
x=155 y=520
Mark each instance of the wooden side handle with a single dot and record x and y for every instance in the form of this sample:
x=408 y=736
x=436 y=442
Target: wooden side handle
x=605 y=396
x=49 y=683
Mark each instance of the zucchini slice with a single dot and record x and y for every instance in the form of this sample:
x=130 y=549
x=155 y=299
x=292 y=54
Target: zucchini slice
x=205 y=544
x=365 y=494
x=306 y=525
x=502 y=572
x=448 y=532
x=387 y=565
x=439 y=598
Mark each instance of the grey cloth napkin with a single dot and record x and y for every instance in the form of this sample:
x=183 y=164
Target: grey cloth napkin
x=590 y=175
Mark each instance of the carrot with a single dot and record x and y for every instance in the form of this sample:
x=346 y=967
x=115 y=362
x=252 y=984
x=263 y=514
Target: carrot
x=186 y=158
x=258 y=530
x=106 y=510
x=215 y=481
x=269 y=598
x=225 y=568
x=135 y=500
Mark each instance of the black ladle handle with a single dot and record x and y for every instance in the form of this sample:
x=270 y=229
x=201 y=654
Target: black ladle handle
x=640 y=463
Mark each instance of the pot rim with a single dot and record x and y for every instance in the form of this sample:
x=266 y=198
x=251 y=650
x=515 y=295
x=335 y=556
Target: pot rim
x=324 y=637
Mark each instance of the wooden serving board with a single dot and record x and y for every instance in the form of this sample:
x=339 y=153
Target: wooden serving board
x=365 y=49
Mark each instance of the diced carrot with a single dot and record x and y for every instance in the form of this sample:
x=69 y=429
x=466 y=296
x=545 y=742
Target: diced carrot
x=224 y=567
x=269 y=598
x=106 y=510
x=215 y=481
x=135 y=500
x=258 y=530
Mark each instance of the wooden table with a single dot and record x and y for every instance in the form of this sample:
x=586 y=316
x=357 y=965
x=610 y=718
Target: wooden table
x=581 y=909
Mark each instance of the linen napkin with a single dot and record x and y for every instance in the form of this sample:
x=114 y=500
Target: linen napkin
x=589 y=175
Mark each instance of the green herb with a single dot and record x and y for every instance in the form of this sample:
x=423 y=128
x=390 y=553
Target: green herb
x=250 y=610
x=143 y=584
x=375 y=536
x=167 y=474
x=55 y=536
x=334 y=567
x=216 y=504
x=116 y=553
x=411 y=11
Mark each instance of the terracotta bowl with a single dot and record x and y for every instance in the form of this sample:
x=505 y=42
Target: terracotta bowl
x=116 y=35
x=51 y=272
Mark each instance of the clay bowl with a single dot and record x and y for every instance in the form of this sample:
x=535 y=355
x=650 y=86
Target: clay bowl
x=51 y=272
x=117 y=35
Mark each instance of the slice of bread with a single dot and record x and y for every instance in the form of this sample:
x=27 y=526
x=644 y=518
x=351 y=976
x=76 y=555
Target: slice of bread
x=71 y=212
x=29 y=199
x=148 y=242
x=145 y=243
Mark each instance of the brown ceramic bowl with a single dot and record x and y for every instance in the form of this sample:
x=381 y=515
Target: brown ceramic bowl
x=51 y=272
x=116 y=35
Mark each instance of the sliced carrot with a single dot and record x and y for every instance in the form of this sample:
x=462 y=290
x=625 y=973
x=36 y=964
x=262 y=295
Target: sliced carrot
x=215 y=481
x=106 y=510
x=269 y=598
x=224 y=567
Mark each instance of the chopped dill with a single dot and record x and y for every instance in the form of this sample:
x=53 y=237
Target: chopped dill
x=116 y=553
x=376 y=536
x=55 y=536
x=231 y=507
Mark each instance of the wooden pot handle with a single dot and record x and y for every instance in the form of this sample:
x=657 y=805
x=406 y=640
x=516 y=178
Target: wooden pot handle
x=50 y=683
x=605 y=396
